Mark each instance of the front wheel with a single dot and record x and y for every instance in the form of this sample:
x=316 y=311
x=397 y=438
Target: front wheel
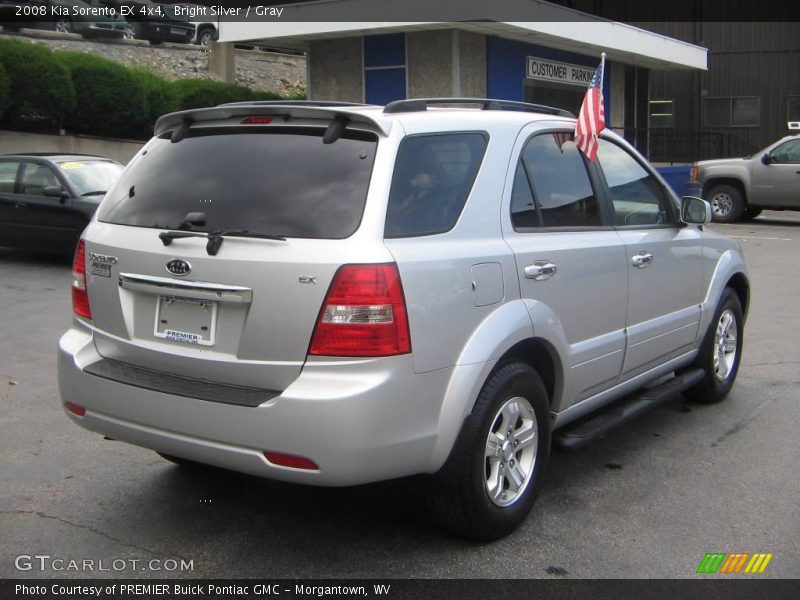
x=63 y=25
x=494 y=473
x=721 y=352
x=727 y=203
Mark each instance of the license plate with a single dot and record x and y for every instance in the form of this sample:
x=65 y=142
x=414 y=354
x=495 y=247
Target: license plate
x=177 y=31
x=186 y=320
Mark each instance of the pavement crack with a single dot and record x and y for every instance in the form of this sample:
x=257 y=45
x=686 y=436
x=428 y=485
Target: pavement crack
x=771 y=364
x=742 y=423
x=91 y=529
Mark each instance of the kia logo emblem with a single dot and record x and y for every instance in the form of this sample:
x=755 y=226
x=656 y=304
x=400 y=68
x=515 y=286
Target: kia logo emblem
x=178 y=267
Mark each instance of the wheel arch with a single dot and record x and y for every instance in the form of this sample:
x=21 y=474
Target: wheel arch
x=741 y=285
x=506 y=335
x=735 y=182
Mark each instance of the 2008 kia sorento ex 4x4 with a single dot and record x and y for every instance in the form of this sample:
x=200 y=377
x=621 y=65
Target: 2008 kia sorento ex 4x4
x=343 y=294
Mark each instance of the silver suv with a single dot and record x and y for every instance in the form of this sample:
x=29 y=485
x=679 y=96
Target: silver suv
x=337 y=294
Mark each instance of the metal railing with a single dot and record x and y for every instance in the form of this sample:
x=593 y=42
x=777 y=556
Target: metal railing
x=668 y=146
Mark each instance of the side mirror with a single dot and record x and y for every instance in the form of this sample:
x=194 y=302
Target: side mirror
x=767 y=158
x=55 y=191
x=695 y=211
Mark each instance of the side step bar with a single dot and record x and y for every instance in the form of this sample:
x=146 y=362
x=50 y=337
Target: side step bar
x=597 y=425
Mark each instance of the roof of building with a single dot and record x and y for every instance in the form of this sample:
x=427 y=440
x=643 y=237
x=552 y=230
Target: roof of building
x=546 y=24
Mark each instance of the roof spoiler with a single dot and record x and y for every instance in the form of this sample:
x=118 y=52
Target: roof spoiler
x=172 y=121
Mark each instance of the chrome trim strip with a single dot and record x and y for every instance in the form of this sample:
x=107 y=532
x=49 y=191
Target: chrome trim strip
x=191 y=289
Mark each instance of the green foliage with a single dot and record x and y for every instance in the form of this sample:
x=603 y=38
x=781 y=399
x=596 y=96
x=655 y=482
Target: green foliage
x=162 y=98
x=87 y=94
x=111 y=100
x=200 y=93
x=40 y=86
x=5 y=89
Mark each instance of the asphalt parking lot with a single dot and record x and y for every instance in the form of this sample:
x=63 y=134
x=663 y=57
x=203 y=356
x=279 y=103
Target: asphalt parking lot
x=647 y=501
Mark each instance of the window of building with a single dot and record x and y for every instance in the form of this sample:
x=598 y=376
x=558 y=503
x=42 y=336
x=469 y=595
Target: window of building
x=559 y=184
x=793 y=109
x=731 y=112
x=662 y=114
x=384 y=68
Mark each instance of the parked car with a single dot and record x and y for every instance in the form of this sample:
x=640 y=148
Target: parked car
x=740 y=188
x=153 y=21
x=88 y=18
x=46 y=200
x=337 y=294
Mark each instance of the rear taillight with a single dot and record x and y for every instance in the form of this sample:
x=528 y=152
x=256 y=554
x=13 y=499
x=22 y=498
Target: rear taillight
x=80 y=298
x=364 y=314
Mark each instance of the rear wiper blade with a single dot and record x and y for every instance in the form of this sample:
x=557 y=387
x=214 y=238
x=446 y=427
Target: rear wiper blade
x=96 y=193
x=215 y=238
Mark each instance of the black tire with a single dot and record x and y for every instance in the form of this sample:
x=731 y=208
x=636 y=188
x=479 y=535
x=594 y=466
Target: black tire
x=63 y=24
x=204 y=36
x=458 y=498
x=727 y=203
x=750 y=213
x=714 y=388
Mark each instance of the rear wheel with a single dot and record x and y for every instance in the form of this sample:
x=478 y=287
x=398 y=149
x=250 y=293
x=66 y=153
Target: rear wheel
x=721 y=352
x=727 y=203
x=494 y=473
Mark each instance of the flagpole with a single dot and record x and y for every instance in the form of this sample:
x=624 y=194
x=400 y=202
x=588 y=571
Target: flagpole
x=602 y=68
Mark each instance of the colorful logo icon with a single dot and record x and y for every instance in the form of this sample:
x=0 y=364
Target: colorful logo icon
x=734 y=563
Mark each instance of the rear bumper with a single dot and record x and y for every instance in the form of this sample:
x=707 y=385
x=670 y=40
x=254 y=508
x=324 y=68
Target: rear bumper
x=359 y=420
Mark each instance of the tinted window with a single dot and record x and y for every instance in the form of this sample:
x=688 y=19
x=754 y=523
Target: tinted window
x=8 y=174
x=788 y=153
x=37 y=177
x=433 y=176
x=560 y=183
x=281 y=181
x=638 y=198
x=523 y=209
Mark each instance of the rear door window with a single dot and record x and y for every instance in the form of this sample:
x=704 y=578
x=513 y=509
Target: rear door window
x=8 y=176
x=552 y=174
x=433 y=176
x=272 y=180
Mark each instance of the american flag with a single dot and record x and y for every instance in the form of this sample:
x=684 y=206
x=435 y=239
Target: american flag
x=592 y=118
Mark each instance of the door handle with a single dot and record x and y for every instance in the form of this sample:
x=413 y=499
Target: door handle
x=540 y=270
x=642 y=260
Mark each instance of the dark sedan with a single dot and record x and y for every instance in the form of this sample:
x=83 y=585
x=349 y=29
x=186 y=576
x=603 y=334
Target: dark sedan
x=89 y=18
x=46 y=200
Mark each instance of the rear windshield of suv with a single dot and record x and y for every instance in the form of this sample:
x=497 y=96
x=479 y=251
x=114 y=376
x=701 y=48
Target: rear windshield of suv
x=273 y=180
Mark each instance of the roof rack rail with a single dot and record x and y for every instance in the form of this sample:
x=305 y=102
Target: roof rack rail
x=320 y=103
x=421 y=104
